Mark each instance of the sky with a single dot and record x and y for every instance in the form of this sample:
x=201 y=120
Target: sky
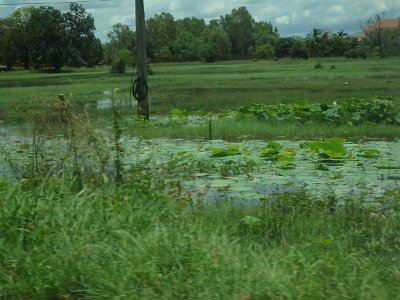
x=291 y=17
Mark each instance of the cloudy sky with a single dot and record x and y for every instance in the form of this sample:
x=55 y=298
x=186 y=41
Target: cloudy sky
x=291 y=17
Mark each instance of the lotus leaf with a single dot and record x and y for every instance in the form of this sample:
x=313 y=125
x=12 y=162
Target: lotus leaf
x=224 y=151
x=369 y=153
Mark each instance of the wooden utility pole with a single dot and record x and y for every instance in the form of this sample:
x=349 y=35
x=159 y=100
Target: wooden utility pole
x=141 y=88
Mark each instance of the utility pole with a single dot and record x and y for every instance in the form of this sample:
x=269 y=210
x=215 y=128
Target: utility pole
x=140 y=87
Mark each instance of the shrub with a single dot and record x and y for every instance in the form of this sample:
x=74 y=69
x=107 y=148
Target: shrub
x=264 y=51
x=356 y=53
x=121 y=60
x=318 y=65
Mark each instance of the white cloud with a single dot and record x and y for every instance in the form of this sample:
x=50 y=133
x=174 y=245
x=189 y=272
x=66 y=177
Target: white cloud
x=282 y=20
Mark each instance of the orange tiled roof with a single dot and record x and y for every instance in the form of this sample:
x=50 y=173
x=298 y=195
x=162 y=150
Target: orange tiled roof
x=385 y=23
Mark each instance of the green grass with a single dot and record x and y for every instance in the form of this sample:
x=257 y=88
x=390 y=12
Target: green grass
x=212 y=87
x=251 y=129
x=136 y=243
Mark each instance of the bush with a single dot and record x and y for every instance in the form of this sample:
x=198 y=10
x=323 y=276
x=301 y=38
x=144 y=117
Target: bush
x=356 y=53
x=318 y=65
x=118 y=66
x=121 y=60
x=264 y=51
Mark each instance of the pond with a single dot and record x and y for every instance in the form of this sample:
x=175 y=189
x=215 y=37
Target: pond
x=366 y=170
x=249 y=171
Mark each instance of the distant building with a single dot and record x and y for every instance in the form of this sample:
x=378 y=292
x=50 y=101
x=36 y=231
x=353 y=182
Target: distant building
x=384 y=23
x=359 y=36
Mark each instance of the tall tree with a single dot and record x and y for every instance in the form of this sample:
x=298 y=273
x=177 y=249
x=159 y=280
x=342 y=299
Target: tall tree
x=48 y=37
x=381 y=39
x=264 y=34
x=8 y=48
x=161 y=34
x=120 y=40
x=193 y=25
x=216 y=44
x=239 y=26
x=20 y=18
x=84 y=49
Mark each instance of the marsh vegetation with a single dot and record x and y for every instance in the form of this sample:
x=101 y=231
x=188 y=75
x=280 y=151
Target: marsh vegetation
x=252 y=180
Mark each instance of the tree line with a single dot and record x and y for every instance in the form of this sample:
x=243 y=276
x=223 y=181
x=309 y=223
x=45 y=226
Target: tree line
x=238 y=35
x=43 y=37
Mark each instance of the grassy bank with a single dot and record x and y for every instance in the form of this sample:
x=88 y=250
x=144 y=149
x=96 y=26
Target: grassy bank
x=134 y=242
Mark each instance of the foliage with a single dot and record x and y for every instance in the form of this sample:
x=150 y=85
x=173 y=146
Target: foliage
x=345 y=111
x=121 y=39
x=356 y=53
x=330 y=149
x=264 y=51
x=145 y=244
x=318 y=65
x=121 y=61
x=47 y=37
x=284 y=157
x=85 y=48
x=239 y=27
x=149 y=237
x=215 y=44
x=161 y=33
x=224 y=151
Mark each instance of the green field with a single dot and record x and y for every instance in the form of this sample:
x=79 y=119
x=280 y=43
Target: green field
x=222 y=85
x=247 y=183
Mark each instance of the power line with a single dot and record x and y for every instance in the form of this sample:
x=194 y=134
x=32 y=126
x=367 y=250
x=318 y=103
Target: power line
x=46 y=3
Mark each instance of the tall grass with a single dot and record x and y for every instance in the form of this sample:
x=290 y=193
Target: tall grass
x=140 y=244
x=251 y=128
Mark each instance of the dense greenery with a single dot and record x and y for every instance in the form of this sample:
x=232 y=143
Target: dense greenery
x=136 y=243
x=238 y=35
x=206 y=87
x=90 y=210
x=44 y=37
x=75 y=229
x=68 y=39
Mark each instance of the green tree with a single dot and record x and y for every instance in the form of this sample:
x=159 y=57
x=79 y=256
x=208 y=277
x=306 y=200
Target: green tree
x=393 y=42
x=48 y=37
x=85 y=49
x=264 y=51
x=264 y=33
x=187 y=47
x=161 y=34
x=318 y=43
x=120 y=61
x=193 y=25
x=216 y=44
x=121 y=37
x=283 y=45
x=375 y=34
x=298 y=49
x=20 y=19
x=239 y=26
x=339 y=43
x=8 y=52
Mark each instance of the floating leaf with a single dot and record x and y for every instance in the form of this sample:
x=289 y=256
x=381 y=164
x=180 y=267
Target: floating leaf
x=369 y=153
x=224 y=151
